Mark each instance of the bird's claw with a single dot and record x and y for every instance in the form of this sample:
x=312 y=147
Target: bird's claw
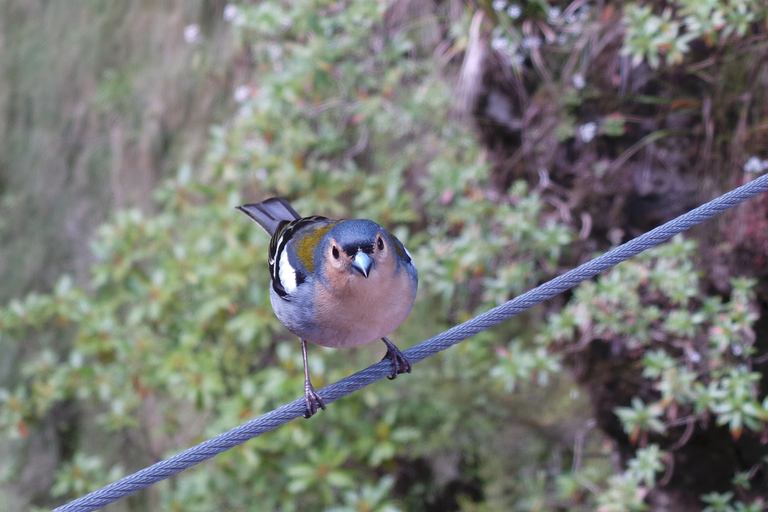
x=400 y=363
x=312 y=400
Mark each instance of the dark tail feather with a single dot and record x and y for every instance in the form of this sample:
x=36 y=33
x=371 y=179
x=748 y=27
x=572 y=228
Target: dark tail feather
x=270 y=213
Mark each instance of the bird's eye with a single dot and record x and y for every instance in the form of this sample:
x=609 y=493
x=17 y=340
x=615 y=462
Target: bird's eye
x=380 y=244
x=335 y=252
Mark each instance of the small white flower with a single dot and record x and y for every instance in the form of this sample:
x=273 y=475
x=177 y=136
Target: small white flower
x=587 y=131
x=694 y=357
x=514 y=11
x=275 y=52
x=737 y=349
x=500 y=43
x=230 y=12
x=554 y=13
x=242 y=93
x=578 y=81
x=531 y=42
x=754 y=164
x=499 y=5
x=192 y=33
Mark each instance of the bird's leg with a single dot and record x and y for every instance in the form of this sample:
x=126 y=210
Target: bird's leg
x=400 y=363
x=312 y=399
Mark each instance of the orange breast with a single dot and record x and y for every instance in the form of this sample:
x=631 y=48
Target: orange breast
x=372 y=308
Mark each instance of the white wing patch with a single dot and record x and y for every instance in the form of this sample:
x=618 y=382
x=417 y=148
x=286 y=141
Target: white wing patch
x=287 y=273
x=412 y=262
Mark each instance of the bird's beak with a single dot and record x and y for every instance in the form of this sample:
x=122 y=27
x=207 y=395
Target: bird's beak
x=362 y=263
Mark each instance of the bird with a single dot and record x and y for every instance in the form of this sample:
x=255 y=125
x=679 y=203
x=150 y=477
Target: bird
x=336 y=282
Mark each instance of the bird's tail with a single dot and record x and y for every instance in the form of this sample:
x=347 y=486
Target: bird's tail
x=270 y=213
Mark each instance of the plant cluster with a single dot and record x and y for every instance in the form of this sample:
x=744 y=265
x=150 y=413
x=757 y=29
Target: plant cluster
x=652 y=36
x=692 y=357
x=525 y=27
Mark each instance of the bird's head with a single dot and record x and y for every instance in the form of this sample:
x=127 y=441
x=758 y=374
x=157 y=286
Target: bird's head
x=356 y=248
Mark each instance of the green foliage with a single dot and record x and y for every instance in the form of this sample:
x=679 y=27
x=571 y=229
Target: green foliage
x=560 y=50
x=84 y=474
x=499 y=247
x=626 y=491
x=709 y=374
x=174 y=339
x=717 y=502
x=646 y=464
x=695 y=364
x=623 y=494
x=374 y=498
x=650 y=36
x=640 y=418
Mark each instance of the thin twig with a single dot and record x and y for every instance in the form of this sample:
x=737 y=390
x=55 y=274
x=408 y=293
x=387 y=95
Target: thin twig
x=578 y=443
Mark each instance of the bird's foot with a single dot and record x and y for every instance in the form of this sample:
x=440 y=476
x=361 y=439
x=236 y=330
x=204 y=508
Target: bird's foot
x=311 y=397
x=400 y=363
x=312 y=400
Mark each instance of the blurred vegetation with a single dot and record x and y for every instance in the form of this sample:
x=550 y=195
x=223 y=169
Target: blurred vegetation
x=97 y=103
x=351 y=109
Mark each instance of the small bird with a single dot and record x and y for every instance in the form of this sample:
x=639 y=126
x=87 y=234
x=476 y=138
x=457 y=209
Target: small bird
x=336 y=282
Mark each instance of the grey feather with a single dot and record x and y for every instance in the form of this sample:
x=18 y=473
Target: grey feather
x=270 y=213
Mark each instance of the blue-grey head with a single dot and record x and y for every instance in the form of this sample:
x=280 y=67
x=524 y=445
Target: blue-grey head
x=358 y=245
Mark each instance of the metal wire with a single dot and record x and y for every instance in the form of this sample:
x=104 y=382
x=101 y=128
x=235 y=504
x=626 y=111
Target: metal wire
x=349 y=385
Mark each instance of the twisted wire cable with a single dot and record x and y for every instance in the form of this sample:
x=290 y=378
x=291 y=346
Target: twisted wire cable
x=442 y=341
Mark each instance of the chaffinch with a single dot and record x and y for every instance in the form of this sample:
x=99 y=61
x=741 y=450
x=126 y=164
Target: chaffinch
x=336 y=283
